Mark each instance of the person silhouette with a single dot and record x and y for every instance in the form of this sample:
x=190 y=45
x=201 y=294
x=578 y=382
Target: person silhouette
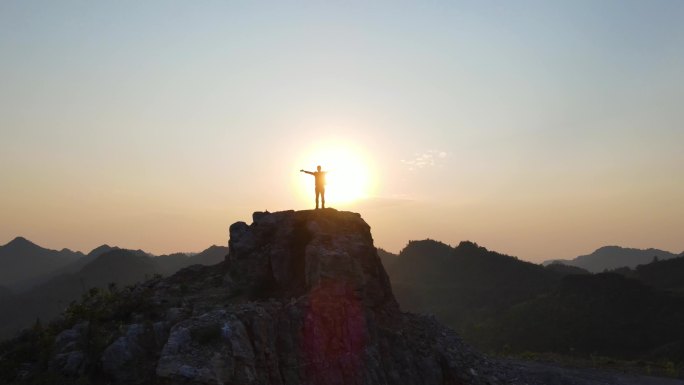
x=320 y=184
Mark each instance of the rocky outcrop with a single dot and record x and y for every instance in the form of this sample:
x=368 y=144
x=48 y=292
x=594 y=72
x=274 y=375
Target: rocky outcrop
x=320 y=311
x=69 y=345
x=125 y=359
x=301 y=299
x=292 y=253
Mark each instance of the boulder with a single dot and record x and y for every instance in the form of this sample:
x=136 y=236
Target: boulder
x=125 y=360
x=69 y=358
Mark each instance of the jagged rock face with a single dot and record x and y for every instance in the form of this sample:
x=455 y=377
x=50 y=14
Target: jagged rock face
x=338 y=322
x=295 y=252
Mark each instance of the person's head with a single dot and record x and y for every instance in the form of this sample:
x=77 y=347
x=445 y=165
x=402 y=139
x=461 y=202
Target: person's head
x=318 y=168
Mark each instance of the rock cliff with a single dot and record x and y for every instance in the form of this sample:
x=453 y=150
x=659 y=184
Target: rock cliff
x=302 y=298
x=319 y=310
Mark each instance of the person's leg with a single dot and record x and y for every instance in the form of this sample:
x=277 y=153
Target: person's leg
x=323 y=198
x=318 y=192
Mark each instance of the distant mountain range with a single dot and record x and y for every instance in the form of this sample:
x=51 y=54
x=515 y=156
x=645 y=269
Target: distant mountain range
x=52 y=291
x=22 y=260
x=613 y=257
x=662 y=274
x=603 y=314
x=497 y=302
x=24 y=265
x=501 y=304
x=462 y=284
x=73 y=267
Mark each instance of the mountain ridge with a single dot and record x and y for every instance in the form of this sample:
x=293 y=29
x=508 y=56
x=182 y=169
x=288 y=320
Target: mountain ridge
x=35 y=271
x=488 y=299
x=667 y=274
x=464 y=283
x=613 y=257
x=116 y=266
x=22 y=259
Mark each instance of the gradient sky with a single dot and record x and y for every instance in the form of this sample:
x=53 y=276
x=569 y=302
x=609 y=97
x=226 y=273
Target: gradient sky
x=540 y=129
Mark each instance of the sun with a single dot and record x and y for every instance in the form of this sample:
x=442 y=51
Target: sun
x=347 y=178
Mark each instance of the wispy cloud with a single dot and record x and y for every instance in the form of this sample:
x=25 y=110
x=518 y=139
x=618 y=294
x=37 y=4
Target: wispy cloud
x=428 y=158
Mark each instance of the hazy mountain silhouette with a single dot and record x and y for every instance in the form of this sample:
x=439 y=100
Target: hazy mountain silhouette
x=21 y=260
x=604 y=314
x=613 y=257
x=463 y=284
x=500 y=303
x=96 y=252
x=118 y=266
x=663 y=274
x=388 y=259
x=213 y=255
x=564 y=269
x=73 y=267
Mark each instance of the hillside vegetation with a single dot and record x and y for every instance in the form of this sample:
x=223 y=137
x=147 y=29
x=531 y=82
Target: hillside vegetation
x=504 y=305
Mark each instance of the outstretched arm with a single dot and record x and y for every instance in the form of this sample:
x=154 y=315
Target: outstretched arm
x=308 y=172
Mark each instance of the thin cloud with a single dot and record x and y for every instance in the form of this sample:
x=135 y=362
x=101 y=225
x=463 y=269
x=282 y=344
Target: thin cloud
x=429 y=158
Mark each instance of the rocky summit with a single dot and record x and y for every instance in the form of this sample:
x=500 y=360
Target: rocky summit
x=302 y=298
x=317 y=309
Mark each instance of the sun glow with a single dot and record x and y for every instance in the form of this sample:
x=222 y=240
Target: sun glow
x=348 y=175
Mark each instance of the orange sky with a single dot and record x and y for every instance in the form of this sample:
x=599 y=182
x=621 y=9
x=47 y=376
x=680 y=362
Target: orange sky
x=537 y=130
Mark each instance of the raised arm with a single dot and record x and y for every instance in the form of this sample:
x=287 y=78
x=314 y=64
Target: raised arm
x=308 y=172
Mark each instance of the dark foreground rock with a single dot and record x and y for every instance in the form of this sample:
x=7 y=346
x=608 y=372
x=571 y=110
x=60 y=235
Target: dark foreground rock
x=302 y=298
x=319 y=310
